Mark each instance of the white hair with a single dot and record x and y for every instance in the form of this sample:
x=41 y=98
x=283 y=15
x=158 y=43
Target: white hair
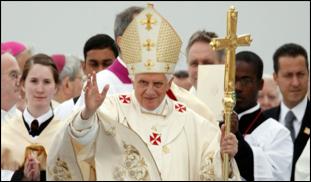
x=71 y=68
x=8 y=55
x=267 y=77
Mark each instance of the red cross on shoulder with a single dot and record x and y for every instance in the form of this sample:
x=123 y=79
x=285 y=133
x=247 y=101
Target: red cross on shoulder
x=180 y=108
x=155 y=138
x=125 y=99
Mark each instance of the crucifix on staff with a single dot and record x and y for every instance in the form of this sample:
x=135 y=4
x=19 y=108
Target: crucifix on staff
x=230 y=43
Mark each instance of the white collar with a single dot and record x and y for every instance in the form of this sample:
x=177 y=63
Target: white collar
x=121 y=61
x=10 y=113
x=299 y=110
x=10 y=110
x=251 y=110
x=41 y=119
x=193 y=91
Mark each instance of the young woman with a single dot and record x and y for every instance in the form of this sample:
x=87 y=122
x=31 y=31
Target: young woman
x=37 y=124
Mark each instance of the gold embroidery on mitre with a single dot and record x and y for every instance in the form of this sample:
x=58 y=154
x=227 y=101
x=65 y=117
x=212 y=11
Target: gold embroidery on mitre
x=160 y=43
x=149 y=44
x=149 y=64
x=130 y=49
x=167 y=67
x=132 y=68
x=168 y=45
x=149 y=21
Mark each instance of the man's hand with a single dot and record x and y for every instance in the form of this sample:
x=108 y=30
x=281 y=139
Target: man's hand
x=228 y=143
x=234 y=122
x=93 y=99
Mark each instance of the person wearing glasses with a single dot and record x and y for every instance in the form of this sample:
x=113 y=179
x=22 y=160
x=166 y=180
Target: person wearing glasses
x=35 y=125
x=10 y=74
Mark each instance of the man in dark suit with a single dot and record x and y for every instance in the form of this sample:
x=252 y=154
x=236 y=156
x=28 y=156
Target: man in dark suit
x=260 y=137
x=291 y=72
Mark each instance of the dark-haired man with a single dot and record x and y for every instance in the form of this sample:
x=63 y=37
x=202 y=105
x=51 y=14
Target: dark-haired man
x=99 y=53
x=267 y=140
x=291 y=72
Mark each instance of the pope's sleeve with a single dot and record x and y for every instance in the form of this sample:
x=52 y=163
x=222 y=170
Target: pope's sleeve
x=83 y=131
x=211 y=160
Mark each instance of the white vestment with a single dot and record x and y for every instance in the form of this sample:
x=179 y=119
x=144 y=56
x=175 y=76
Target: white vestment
x=15 y=137
x=108 y=77
x=6 y=175
x=273 y=151
x=192 y=101
x=5 y=115
x=183 y=144
x=64 y=110
x=116 y=154
x=119 y=85
x=302 y=172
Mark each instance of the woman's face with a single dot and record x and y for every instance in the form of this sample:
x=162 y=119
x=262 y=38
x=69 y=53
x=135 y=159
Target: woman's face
x=39 y=86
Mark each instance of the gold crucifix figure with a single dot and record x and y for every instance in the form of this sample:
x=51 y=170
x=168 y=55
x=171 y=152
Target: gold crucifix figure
x=230 y=43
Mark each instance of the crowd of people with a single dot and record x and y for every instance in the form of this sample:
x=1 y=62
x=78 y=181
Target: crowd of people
x=124 y=113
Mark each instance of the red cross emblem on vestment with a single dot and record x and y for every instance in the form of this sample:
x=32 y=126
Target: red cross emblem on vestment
x=124 y=99
x=155 y=139
x=180 y=108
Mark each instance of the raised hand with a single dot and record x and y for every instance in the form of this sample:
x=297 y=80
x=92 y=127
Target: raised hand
x=93 y=99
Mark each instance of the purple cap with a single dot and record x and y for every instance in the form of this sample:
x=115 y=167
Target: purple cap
x=12 y=47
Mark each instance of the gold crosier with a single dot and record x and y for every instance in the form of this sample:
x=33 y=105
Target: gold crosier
x=230 y=43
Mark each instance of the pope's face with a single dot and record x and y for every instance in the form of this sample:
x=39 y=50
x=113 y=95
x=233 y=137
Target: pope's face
x=150 y=89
